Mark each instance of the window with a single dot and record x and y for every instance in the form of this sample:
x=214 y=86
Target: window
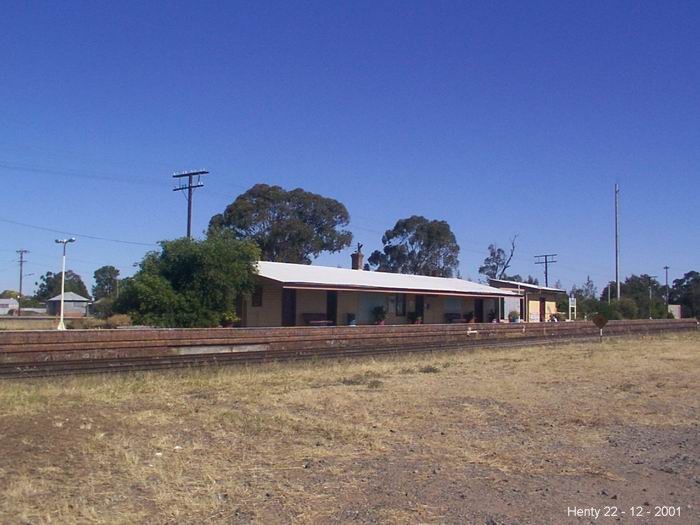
x=400 y=304
x=256 y=299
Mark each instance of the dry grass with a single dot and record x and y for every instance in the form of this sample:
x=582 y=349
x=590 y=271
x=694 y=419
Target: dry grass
x=334 y=441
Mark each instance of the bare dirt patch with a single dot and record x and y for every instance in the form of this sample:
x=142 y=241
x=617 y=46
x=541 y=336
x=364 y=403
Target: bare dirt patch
x=510 y=436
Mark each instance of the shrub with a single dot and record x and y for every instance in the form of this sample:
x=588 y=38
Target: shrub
x=379 y=313
x=627 y=307
x=103 y=308
x=229 y=318
x=513 y=316
x=85 y=323
x=117 y=320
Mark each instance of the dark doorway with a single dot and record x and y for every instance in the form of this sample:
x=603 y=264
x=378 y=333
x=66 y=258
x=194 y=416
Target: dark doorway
x=289 y=307
x=478 y=310
x=332 y=306
x=543 y=310
x=241 y=310
x=420 y=307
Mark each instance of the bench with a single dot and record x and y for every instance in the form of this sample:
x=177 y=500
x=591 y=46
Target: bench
x=316 y=320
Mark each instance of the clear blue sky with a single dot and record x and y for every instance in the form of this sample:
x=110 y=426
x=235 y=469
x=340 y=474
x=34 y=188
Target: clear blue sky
x=502 y=118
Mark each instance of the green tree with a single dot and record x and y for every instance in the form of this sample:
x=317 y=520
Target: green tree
x=106 y=279
x=9 y=294
x=586 y=298
x=498 y=262
x=530 y=280
x=686 y=292
x=419 y=246
x=190 y=283
x=645 y=291
x=288 y=226
x=50 y=285
x=608 y=310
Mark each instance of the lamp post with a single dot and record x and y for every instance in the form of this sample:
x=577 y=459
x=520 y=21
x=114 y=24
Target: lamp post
x=64 y=242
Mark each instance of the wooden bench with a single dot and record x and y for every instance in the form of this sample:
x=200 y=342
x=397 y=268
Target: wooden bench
x=316 y=320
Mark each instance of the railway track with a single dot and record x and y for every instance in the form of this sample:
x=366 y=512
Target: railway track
x=45 y=354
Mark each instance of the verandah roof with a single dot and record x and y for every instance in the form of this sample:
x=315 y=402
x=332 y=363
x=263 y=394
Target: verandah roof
x=303 y=276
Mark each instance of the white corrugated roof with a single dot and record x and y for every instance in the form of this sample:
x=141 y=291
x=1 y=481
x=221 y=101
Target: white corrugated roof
x=529 y=286
x=70 y=296
x=304 y=275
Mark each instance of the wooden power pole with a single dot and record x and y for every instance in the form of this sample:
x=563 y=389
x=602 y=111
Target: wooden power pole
x=190 y=187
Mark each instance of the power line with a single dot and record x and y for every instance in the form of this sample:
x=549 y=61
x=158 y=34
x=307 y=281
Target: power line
x=74 y=234
x=190 y=187
x=73 y=174
x=546 y=261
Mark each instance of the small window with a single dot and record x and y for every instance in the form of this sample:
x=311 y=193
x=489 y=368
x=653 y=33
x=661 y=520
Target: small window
x=256 y=299
x=401 y=304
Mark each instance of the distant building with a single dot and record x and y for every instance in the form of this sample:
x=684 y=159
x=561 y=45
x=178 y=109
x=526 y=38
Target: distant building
x=74 y=305
x=8 y=305
x=537 y=303
x=675 y=310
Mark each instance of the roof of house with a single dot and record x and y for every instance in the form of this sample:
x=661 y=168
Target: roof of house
x=329 y=278
x=70 y=296
x=527 y=286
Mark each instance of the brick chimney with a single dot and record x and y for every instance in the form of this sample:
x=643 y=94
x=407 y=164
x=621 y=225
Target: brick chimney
x=358 y=258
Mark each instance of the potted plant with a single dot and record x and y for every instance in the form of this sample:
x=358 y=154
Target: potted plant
x=414 y=318
x=379 y=314
x=229 y=319
x=513 y=316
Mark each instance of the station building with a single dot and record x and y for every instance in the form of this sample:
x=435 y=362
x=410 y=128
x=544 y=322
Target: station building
x=306 y=295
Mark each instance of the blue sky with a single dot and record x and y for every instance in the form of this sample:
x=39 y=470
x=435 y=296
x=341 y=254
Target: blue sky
x=502 y=118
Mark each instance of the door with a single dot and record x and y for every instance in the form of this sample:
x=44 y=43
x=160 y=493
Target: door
x=289 y=307
x=420 y=307
x=543 y=310
x=241 y=310
x=478 y=310
x=332 y=306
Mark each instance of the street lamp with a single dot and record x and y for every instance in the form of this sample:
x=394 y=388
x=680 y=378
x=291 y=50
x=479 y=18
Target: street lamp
x=64 y=242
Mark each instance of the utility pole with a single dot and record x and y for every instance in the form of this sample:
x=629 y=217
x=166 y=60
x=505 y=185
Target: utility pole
x=547 y=260
x=21 y=275
x=651 y=279
x=666 y=270
x=617 y=239
x=190 y=186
